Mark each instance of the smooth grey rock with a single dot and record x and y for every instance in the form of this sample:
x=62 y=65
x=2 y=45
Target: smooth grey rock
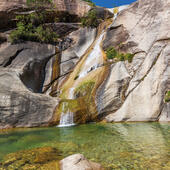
x=19 y=107
x=82 y=39
x=145 y=25
x=146 y=101
x=165 y=114
x=110 y=94
x=30 y=60
x=78 y=162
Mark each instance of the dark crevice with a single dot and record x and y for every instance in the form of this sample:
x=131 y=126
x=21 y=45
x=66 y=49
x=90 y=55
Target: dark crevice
x=52 y=82
x=13 y=57
x=115 y=27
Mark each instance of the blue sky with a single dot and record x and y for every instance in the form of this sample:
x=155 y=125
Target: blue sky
x=112 y=3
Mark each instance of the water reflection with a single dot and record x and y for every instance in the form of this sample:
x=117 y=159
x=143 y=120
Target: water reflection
x=116 y=146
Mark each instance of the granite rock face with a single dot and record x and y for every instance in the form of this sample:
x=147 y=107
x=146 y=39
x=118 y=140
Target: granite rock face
x=18 y=106
x=22 y=76
x=77 y=7
x=9 y=9
x=82 y=39
x=77 y=162
x=145 y=26
x=30 y=60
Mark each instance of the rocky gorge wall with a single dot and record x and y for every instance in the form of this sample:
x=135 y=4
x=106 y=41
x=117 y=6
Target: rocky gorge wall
x=136 y=91
x=32 y=73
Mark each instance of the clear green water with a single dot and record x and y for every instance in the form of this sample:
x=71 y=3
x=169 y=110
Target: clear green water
x=115 y=146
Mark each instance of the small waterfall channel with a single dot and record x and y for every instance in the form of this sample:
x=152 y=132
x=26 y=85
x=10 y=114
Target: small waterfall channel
x=93 y=61
x=67 y=119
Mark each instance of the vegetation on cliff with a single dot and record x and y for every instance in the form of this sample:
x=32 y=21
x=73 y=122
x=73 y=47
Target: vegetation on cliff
x=31 y=27
x=91 y=19
x=90 y=2
x=112 y=53
x=167 y=96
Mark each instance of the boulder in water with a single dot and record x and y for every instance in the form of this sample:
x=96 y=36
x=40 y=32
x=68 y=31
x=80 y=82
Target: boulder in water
x=78 y=162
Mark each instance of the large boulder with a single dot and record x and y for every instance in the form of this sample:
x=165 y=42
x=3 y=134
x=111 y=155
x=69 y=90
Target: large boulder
x=19 y=107
x=145 y=28
x=30 y=59
x=78 y=162
x=23 y=72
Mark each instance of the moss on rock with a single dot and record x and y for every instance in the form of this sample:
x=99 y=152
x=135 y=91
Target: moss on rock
x=112 y=53
x=167 y=97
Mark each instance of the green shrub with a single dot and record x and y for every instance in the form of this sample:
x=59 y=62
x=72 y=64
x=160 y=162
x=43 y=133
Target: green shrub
x=112 y=53
x=129 y=57
x=90 y=3
x=90 y=20
x=30 y=28
x=167 y=96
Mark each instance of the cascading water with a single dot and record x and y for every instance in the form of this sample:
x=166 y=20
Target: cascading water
x=92 y=62
x=67 y=119
x=94 y=59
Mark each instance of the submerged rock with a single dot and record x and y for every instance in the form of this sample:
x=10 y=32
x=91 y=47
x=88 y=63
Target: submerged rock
x=78 y=162
x=39 y=158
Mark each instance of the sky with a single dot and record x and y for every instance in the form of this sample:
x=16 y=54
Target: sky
x=112 y=3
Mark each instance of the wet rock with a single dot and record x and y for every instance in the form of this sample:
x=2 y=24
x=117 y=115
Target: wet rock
x=165 y=114
x=77 y=162
x=82 y=39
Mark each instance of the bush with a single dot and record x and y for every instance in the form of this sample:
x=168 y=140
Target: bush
x=167 y=96
x=90 y=3
x=112 y=53
x=30 y=28
x=90 y=20
x=129 y=57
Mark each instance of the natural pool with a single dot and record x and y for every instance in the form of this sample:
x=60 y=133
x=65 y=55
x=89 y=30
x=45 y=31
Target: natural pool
x=115 y=146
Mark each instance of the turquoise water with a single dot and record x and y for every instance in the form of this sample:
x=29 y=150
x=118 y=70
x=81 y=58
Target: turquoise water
x=115 y=146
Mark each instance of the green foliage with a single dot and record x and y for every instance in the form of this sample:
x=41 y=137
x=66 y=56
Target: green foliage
x=84 y=89
x=112 y=53
x=90 y=3
x=30 y=28
x=90 y=20
x=167 y=96
x=129 y=57
x=38 y=1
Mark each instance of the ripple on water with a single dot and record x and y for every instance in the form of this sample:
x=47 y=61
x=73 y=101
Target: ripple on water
x=115 y=146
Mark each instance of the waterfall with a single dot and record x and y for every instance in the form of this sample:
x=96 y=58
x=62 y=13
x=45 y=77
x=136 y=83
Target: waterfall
x=67 y=119
x=94 y=58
